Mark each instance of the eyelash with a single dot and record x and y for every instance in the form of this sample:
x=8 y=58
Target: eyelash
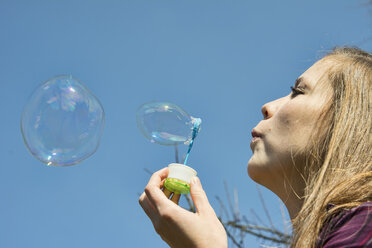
x=295 y=91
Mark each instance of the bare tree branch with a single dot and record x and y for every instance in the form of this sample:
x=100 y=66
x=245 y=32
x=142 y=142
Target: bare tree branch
x=191 y=204
x=231 y=237
x=176 y=153
x=229 y=200
x=264 y=206
x=282 y=239
x=239 y=230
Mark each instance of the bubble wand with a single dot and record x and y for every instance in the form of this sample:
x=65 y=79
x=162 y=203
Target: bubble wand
x=180 y=175
x=167 y=124
x=195 y=131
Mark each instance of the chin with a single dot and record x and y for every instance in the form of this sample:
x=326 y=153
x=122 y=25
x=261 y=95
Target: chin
x=253 y=171
x=257 y=170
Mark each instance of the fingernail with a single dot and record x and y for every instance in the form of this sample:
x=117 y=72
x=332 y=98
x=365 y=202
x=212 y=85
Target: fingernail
x=194 y=180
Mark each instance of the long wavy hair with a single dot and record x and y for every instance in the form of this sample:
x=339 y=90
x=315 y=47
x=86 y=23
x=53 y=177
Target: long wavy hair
x=339 y=165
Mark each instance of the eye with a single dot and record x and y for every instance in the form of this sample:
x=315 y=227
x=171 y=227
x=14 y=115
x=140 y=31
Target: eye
x=296 y=91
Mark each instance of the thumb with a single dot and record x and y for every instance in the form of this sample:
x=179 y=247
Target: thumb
x=199 y=197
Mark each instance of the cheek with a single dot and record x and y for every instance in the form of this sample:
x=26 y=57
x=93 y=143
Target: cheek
x=285 y=125
x=288 y=116
x=291 y=129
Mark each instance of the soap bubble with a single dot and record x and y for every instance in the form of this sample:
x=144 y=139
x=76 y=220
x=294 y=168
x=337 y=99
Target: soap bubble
x=165 y=123
x=62 y=122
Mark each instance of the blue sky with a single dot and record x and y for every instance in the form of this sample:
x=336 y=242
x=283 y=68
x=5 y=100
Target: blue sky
x=219 y=60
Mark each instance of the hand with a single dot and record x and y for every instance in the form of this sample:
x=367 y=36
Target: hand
x=176 y=226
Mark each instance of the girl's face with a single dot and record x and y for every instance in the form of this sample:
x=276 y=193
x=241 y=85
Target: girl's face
x=280 y=141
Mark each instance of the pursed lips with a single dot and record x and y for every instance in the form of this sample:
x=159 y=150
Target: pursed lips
x=256 y=136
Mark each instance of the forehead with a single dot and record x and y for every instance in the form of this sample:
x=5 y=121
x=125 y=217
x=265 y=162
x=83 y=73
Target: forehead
x=314 y=76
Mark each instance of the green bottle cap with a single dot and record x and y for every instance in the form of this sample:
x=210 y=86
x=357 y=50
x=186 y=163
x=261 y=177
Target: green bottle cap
x=179 y=178
x=177 y=186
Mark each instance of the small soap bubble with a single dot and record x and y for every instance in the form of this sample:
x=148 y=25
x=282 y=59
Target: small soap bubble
x=165 y=123
x=62 y=122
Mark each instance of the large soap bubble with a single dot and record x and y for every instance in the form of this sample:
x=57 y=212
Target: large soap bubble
x=62 y=122
x=165 y=123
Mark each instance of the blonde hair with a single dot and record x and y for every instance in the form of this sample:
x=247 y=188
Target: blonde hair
x=339 y=166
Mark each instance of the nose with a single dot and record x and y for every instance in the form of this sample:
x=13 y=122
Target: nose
x=269 y=109
x=265 y=111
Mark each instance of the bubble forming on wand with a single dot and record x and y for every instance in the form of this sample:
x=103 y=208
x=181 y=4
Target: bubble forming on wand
x=165 y=123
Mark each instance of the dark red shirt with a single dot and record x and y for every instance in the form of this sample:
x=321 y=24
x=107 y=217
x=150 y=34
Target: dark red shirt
x=349 y=229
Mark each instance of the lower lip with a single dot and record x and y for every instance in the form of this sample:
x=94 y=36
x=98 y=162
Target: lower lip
x=254 y=141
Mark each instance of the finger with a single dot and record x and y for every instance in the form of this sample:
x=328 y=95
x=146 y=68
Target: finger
x=199 y=197
x=175 y=198
x=166 y=192
x=153 y=191
x=158 y=177
x=147 y=207
x=162 y=184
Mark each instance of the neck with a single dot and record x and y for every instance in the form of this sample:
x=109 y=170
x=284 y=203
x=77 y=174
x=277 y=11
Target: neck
x=291 y=193
x=293 y=204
